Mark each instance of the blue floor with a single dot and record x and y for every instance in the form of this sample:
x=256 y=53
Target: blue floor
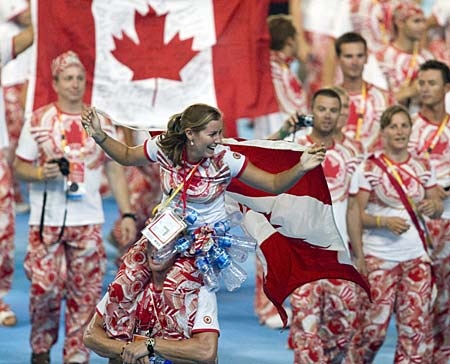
x=242 y=339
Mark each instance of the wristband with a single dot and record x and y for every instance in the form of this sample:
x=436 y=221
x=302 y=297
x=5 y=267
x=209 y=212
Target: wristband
x=378 y=221
x=40 y=174
x=130 y=215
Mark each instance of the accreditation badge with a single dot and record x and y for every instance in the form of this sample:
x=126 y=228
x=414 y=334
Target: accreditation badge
x=164 y=228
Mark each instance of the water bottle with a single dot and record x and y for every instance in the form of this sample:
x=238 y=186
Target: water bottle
x=232 y=274
x=155 y=359
x=237 y=246
x=210 y=278
x=232 y=220
x=188 y=214
x=180 y=246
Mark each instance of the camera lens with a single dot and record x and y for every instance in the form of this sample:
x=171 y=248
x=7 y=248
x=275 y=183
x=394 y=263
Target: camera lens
x=305 y=120
x=73 y=187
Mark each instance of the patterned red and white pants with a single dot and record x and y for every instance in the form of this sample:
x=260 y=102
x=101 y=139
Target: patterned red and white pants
x=323 y=320
x=404 y=289
x=440 y=230
x=72 y=270
x=7 y=227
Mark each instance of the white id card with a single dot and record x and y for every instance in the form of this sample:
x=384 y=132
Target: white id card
x=164 y=229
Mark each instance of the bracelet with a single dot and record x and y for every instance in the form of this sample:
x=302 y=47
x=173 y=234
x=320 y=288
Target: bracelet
x=130 y=215
x=40 y=174
x=100 y=142
x=378 y=221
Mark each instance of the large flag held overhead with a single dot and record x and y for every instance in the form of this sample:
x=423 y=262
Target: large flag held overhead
x=149 y=59
x=295 y=230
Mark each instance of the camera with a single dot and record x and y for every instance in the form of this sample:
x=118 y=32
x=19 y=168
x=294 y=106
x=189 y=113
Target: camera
x=304 y=120
x=74 y=188
x=63 y=164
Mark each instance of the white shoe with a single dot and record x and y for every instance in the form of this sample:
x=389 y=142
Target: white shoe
x=22 y=208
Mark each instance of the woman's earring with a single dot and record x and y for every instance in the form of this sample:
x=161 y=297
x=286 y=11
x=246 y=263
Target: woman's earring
x=192 y=142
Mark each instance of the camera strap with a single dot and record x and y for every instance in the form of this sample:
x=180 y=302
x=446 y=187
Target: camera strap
x=41 y=223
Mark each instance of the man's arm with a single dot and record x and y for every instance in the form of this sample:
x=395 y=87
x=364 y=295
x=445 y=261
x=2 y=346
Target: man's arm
x=23 y=40
x=119 y=188
x=95 y=338
x=354 y=229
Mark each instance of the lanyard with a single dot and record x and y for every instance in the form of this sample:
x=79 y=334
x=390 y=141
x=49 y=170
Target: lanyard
x=431 y=143
x=412 y=204
x=361 y=112
x=186 y=182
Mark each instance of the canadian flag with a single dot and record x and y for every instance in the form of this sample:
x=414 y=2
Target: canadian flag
x=149 y=59
x=295 y=230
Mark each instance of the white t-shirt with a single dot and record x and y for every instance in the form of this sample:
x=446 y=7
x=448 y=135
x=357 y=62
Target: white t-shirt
x=385 y=201
x=11 y=8
x=327 y=17
x=423 y=133
x=17 y=70
x=210 y=180
x=41 y=140
x=5 y=56
x=441 y=10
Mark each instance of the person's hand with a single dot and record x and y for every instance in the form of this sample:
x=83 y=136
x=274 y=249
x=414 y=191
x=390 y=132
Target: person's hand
x=127 y=230
x=427 y=207
x=360 y=264
x=397 y=225
x=91 y=123
x=312 y=157
x=135 y=352
x=50 y=170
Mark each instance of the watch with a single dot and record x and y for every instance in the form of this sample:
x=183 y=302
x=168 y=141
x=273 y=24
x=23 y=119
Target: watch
x=150 y=343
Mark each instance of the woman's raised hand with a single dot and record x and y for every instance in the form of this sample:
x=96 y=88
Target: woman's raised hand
x=312 y=157
x=91 y=123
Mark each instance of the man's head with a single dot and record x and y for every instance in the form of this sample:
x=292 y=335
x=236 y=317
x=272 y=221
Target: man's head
x=409 y=20
x=69 y=77
x=434 y=83
x=282 y=33
x=326 y=108
x=351 y=50
x=64 y=60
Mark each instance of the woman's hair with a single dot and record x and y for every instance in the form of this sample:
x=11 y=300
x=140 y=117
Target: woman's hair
x=195 y=117
x=387 y=115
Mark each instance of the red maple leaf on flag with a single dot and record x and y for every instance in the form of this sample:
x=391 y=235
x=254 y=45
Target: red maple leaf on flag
x=151 y=58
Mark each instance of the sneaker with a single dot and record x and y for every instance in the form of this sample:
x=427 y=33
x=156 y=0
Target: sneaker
x=41 y=358
x=7 y=316
x=22 y=208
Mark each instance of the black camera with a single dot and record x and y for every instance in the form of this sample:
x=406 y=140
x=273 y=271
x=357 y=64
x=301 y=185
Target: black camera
x=304 y=120
x=63 y=164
